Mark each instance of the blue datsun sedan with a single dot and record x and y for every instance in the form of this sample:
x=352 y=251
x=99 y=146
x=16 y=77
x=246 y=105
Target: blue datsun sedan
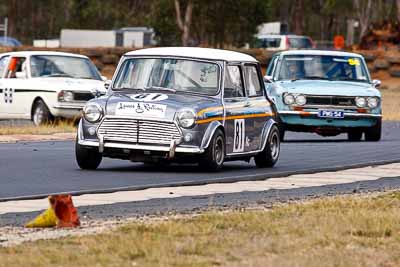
x=325 y=92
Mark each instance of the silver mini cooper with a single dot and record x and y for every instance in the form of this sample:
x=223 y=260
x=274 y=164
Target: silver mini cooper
x=192 y=105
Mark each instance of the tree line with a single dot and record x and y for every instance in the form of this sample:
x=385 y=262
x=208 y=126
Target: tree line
x=214 y=23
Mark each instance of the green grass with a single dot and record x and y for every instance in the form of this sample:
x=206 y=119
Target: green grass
x=342 y=231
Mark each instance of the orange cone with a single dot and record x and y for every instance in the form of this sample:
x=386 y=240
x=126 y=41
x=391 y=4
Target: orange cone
x=66 y=213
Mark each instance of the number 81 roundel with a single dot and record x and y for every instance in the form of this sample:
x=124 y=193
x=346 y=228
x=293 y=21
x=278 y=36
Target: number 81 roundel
x=239 y=136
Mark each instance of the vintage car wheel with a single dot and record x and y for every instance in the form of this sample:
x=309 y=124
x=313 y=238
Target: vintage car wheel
x=214 y=156
x=41 y=113
x=87 y=159
x=374 y=133
x=270 y=155
x=354 y=135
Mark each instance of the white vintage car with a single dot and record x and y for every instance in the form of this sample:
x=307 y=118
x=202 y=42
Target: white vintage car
x=41 y=86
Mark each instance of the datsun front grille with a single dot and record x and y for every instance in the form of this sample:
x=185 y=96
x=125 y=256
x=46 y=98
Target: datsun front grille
x=138 y=131
x=83 y=96
x=335 y=101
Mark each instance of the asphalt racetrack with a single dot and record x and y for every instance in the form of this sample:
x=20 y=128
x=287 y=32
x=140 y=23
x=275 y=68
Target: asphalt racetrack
x=37 y=169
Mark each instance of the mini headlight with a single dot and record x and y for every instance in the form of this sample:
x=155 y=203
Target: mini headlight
x=186 y=118
x=372 y=102
x=92 y=113
x=361 y=102
x=288 y=99
x=301 y=100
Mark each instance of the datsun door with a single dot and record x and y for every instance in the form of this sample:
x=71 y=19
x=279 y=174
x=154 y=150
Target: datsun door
x=16 y=88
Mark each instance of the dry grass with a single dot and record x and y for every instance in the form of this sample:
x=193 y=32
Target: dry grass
x=62 y=126
x=391 y=104
x=344 y=231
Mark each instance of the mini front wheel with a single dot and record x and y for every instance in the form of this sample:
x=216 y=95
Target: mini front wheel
x=214 y=156
x=270 y=155
x=87 y=158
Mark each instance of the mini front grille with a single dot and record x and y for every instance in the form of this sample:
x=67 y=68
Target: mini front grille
x=138 y=131
x=83 y=96
x=340 y=101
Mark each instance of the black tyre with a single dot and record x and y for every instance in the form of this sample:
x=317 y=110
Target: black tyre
x=87 y=158
x=282 y=134
x=214 y=156
x=41 y=113
x=270 y=155
x=354 y=135
x=374 y=133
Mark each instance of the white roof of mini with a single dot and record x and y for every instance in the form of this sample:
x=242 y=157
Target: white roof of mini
x=319 y=52
x=42 y=53
x=194 y=52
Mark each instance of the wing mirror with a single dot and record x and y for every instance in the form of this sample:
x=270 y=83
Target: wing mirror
x=376 y=83
x=268 y=79
x=107 y=84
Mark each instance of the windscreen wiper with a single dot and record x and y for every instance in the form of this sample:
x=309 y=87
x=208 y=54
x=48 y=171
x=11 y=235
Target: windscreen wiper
x=58 y=75
x=311 y=78
x=160 y=88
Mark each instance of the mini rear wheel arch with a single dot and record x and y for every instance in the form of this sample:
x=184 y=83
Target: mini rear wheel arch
x=266 y=130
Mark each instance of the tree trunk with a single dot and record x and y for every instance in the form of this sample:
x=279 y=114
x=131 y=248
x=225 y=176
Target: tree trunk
x=184 y=23
x=398 y=10
x=298 y=17
x=364 y=14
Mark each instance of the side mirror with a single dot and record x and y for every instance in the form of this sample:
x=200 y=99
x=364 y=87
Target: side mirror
x=20 y=75
x=107 y=84
x=268 y=79
x=376 y=83
x=103 y=78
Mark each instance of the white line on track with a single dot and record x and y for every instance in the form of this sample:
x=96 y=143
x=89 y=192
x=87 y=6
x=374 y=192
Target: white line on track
x=290 y=182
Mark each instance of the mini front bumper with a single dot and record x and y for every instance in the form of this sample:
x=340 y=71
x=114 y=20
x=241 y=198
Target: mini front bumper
x=171 y=149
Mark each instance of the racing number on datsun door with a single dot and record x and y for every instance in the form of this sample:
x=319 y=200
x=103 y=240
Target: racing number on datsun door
x=8 y=94
x=239 y=136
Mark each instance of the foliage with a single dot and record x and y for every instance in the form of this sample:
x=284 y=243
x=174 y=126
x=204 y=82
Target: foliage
x=217 y=23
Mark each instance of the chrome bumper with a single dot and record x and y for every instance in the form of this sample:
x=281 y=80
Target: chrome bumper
x=315 y=113
x=172 y=149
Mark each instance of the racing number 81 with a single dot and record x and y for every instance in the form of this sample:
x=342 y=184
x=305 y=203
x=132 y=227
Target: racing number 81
x=239 y=136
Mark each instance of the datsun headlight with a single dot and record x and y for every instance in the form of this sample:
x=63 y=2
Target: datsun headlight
x=66 y=96
x=186 y=118
x=92 y=113
x=301 y=100
x=288 y=99
x=372 y=102
x=361 y=102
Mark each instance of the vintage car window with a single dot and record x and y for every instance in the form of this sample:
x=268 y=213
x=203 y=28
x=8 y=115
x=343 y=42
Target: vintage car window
x=14 y=65
x=299 y=42
x=253 y=86
x=271 y=66
x=326 y=67
x=181 y=75
x=63 y=66
x=268 y=42
x=3 y=64
x=233 y=82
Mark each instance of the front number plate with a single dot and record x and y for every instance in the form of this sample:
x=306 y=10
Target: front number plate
x=336 y=114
